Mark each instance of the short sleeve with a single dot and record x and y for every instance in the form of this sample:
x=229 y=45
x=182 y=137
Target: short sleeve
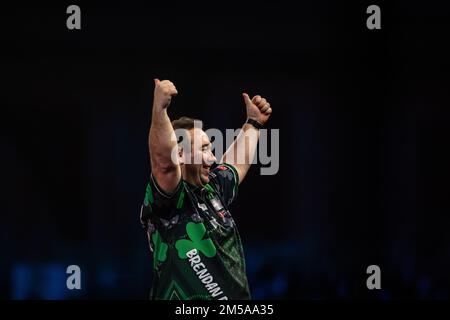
x=226 y=178
x=160 y=203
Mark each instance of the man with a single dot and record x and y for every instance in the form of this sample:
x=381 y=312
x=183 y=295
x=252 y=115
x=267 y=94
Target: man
x=197 y=250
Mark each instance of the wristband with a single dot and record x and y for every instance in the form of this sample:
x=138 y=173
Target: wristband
x=254 y=123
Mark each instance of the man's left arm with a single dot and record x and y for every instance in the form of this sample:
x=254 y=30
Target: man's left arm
x=242 y=151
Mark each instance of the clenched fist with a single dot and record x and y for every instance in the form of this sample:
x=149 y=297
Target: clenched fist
x=164 y=91
x=257 y=108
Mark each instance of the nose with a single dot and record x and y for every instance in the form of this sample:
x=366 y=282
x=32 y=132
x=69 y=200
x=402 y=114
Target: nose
x=211 y=159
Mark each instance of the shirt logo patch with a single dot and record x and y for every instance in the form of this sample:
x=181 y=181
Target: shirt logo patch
x=202 y=206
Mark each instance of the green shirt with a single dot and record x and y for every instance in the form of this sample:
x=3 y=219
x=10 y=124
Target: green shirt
x=197 y=250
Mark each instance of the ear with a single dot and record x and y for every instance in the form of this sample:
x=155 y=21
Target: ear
x=181 y=159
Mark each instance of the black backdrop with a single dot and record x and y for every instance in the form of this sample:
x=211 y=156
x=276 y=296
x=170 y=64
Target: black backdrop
x=362 y=115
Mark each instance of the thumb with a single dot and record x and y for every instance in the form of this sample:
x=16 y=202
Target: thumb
x=247 y=99
x=156 y=81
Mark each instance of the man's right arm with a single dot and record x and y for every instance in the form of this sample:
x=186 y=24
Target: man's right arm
x=162 y=140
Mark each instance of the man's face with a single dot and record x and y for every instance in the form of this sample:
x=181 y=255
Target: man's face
x=201 y=158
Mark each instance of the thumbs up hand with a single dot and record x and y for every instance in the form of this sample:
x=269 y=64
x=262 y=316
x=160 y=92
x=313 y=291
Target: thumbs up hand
x=257 y=108
x=164 y=91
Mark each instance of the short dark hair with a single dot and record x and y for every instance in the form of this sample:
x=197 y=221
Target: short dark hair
x=184 y=123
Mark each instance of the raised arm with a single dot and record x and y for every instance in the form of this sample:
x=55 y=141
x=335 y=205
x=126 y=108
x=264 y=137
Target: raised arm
x=242 y=151
x=162 y=139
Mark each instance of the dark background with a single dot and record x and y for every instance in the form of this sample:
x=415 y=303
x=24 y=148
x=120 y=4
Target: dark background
x=363 y=118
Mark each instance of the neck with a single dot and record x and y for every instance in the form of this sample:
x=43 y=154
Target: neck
x=193 y=179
